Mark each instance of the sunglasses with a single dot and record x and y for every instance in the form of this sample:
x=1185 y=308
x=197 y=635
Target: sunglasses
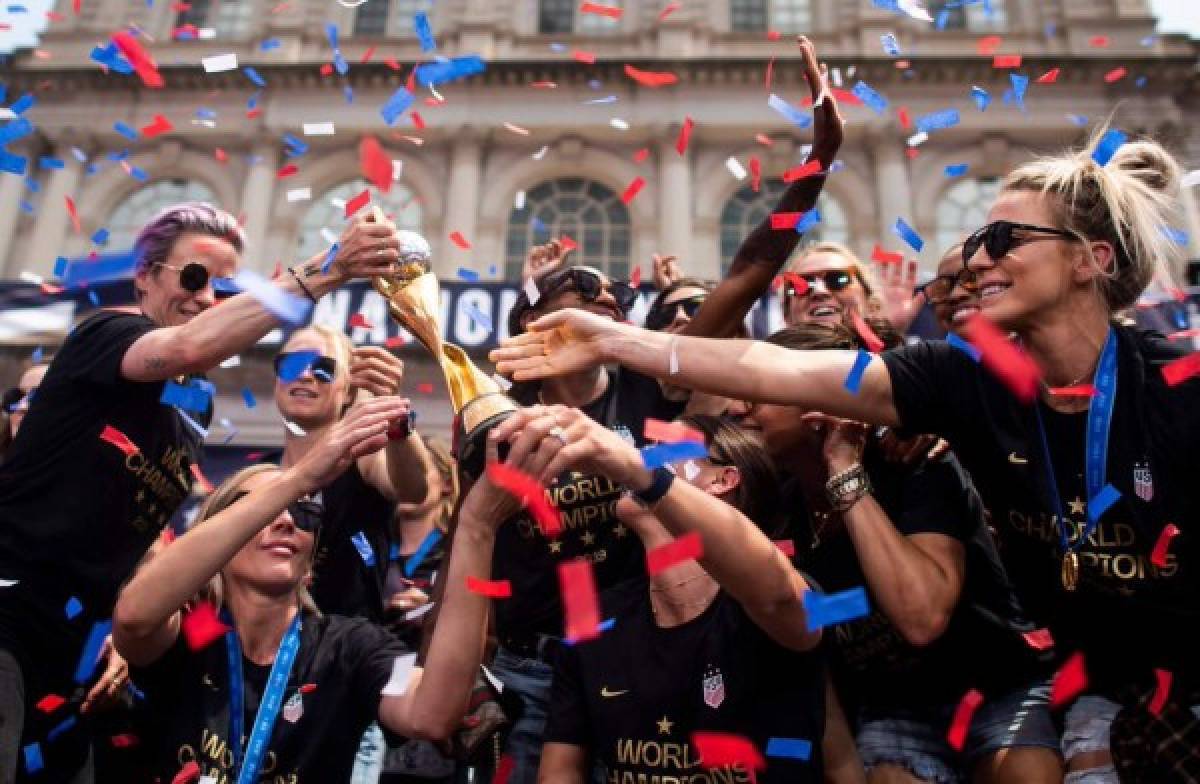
x=194 y=276
x=324 y=369
x=662 y=315
x=834 y=281
x=306 y=513
x=938 y=290
x=591 y=285
x=1000 y=237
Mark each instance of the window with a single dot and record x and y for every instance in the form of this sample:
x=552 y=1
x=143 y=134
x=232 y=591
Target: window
x=227 y=18
x=378 y=18
x=969 y=14
x=559 y=17
x=746 y=209
x=587 y=212
x=963 y=208
x=140 y=206
x=322 y=224
x=782 y=16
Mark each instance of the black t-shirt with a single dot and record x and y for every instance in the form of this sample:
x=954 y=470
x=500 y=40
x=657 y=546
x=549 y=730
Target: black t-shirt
x=76 y=513
x=343 y=582
x=347 y=660
x=634 y=696
x=587 y=504
x=1128 y=616
x=982 y=646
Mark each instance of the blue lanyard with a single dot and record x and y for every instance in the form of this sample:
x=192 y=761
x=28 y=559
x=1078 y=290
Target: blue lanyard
x=268 y=708
x=1099 y=426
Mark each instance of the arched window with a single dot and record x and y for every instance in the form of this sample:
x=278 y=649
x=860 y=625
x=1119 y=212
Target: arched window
x=589 y=213
x=561 y=17
x=140 y=206
x=396 y=18
x=973 y=15
x=228 y=19
x=746 y=209
x=782 y=16
x=963 y=208
x=322 y=224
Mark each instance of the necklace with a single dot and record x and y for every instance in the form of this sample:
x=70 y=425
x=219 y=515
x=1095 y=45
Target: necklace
x=679 y=584
x=822 y=522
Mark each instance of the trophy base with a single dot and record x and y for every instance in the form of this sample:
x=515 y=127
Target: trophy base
x=471 y=428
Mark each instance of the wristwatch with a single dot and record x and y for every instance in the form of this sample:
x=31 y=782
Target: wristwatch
x=846 y=488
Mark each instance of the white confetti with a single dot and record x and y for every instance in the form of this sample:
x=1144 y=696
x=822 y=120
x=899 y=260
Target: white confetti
x=917 y=139
x=397 y=170
x=502 y=382
x=319 y=129
x=531 y=291
x=232 y=362
x=619 y=124
x=1191 y=179
x=735 y=168
x=402 y=670
x=913 y=9
x=8 y=583
x=417 y=613
x=690 y=471
x=537 y=156
x=299 y=194
x=220 y=62
x=7 y=114
x=519 y=201
x=673 y=360
x=32 y=277
x=294 y=429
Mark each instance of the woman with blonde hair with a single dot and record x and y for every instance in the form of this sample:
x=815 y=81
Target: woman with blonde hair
x=1086 y=482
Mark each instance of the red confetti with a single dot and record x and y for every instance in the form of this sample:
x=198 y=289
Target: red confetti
x=201 y=627
x=755 y=174
x=221 y=155
x=397 y=342
x=1161 y=691
x=688 y=547
x=1069 y=681
x=651 y=78
x=957 y=736
x=367 y=55
x=587 y=58
x=1158 y=556
x=905 y=118
x=773 y=35
x=771 y=74
x=781 y=221
x=1079 y=390
x=159 y=126
x=308 y=688
x=799 y=285
x=287 y=171
x=1039 y=639
x=670 y=432
x=1115 y=75
x=206 y=486
x=1006 y=61
x=74 y=215
x=670 y=9
x=374 y=163
x=358 y=202
x=418 y=121
x=568 y=243
x=718 y=749
x=326 y=69
x=1050 y=77
x=988 y=45
x=581 y=606
x=119 y=440
x=254 y=113
x=425 y=388
x=187 y=774
x=1099 y=41
x=139 y=59
x=530 y=493
x=685 y=135
x=75 y=4
x=805 y=170
x=601 y=10
x=633 y=190
x=868 y=336
x=360 y=321
x=544 y=85
x=635 y=279
x=1012 y=366
x=786 y=546
x=50 y=703
x=124 y=741
x=884 y=257
x=504 y=770
x=493 y=589
x=763 y=139
x=641 y=155
x=458 y=239
x=1175 y=373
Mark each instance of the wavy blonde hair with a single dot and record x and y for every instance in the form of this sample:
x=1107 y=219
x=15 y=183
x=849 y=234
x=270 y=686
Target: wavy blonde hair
x=1128 y=203
x=865 y=276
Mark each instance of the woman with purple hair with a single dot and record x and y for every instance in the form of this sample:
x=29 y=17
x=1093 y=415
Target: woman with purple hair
x=101 y=462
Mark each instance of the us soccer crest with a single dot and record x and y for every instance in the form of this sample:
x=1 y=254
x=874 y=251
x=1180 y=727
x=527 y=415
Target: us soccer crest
x=714 y=687
x=1143 y=481
x=293 y=709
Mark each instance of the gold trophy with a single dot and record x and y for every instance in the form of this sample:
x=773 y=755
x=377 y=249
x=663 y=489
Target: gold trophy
x=412 y=293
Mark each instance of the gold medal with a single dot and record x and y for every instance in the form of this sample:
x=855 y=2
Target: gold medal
x=1070 y=570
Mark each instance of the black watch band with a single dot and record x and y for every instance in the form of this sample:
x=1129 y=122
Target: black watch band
x=663 y=477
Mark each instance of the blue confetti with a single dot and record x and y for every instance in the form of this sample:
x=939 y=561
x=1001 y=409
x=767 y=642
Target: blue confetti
x=225 y=286
x=449 y=70
x=1100 y=503
x=339 y=63
x=348 y=93
x=963 y=346
x=90 y=655
x=364 y=548
x=295 y=364
x=468 y=275
x=890 y=45
x=909 y=235
x=423 y=550
x=396 y=105
x=558 y=48
x=61 y=729
x=248 y=398
x=125 y=130
x=1020 y=83
x=1078 y=119
x=32 y=185
x=424 y=32
x=792 y=748
x=17 y=129
x=957 y=169
x=36 y=356
x=478 y=316
x=118 y=155
x=269 y=44
x=829 y=609
x=1112 y=141
x=193 y=424
x=254 y=76
x=331 y=33
x=83 y=273
x=205 y=114
x=982 y=98
x=252 y=101
x=604 y=100
x=46 y=162
x=810 y=219
x=100 y=237
x=601 y=627
x=789 y=112
x=138 y=173
x=1178 y=236
x=73 y=609
x=330 y=255
x=22 y=104
x=26 y=206
x=1050 y=30
x=876 y=102
x=296 y=145
x=943 y=19
x=13 y=164
x=662 y=454
x=110 y=57
x=190 y=397
x=94 y=298
x=33 y=758
x=947 y=118
x=853 y=381
x=288 y=308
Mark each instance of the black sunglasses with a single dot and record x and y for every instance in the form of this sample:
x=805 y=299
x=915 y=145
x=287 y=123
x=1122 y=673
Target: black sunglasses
x=938 y=290
x=834 y=280
x=663 y=314
x=194 y=276
x=590 y=286
x=1000 y=237
x=324 y=369
x=306 y=513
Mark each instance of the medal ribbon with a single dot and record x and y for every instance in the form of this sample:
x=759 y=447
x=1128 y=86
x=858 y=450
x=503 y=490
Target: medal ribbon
x=268 y=709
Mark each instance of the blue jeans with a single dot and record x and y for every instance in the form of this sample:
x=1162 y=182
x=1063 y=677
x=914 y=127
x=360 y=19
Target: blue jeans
x=368 y=763
x=530 y=680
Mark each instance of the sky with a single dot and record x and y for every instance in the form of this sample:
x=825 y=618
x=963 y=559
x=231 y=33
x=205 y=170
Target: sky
x=1175 y=16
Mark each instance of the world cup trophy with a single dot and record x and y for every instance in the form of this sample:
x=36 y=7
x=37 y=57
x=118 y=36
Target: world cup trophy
x=479 y=404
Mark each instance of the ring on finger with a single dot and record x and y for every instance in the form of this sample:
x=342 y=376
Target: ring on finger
x=558 y=432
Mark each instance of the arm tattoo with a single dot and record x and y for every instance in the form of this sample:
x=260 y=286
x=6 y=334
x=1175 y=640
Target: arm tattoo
x=156 y=363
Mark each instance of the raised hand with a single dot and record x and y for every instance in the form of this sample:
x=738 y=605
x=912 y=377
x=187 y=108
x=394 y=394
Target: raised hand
x=368 y=247
x=828 y=123
x=376 y=370
x=542 y=260
x=558 y=344
x=666 y=270
x=361 y=432
x=565 y=439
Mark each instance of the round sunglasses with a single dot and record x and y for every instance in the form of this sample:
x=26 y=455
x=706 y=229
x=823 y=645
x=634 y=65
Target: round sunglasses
x=1000 y=237
x=306 y=513
x=590 y=286
x=833 y=280
x=663 y=315
x=194 y=276
x=324 y=369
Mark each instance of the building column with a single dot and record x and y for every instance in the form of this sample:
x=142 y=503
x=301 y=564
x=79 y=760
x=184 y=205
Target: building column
x=258 y=199
x=1191 y=215
x=11 y=188
x=53 y=222
x=462 y=204
x=675 y=203
x=892 y=187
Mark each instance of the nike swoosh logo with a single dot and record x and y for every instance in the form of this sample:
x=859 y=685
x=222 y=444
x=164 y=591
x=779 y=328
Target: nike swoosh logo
x=604 y=692
x=1012 y=458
